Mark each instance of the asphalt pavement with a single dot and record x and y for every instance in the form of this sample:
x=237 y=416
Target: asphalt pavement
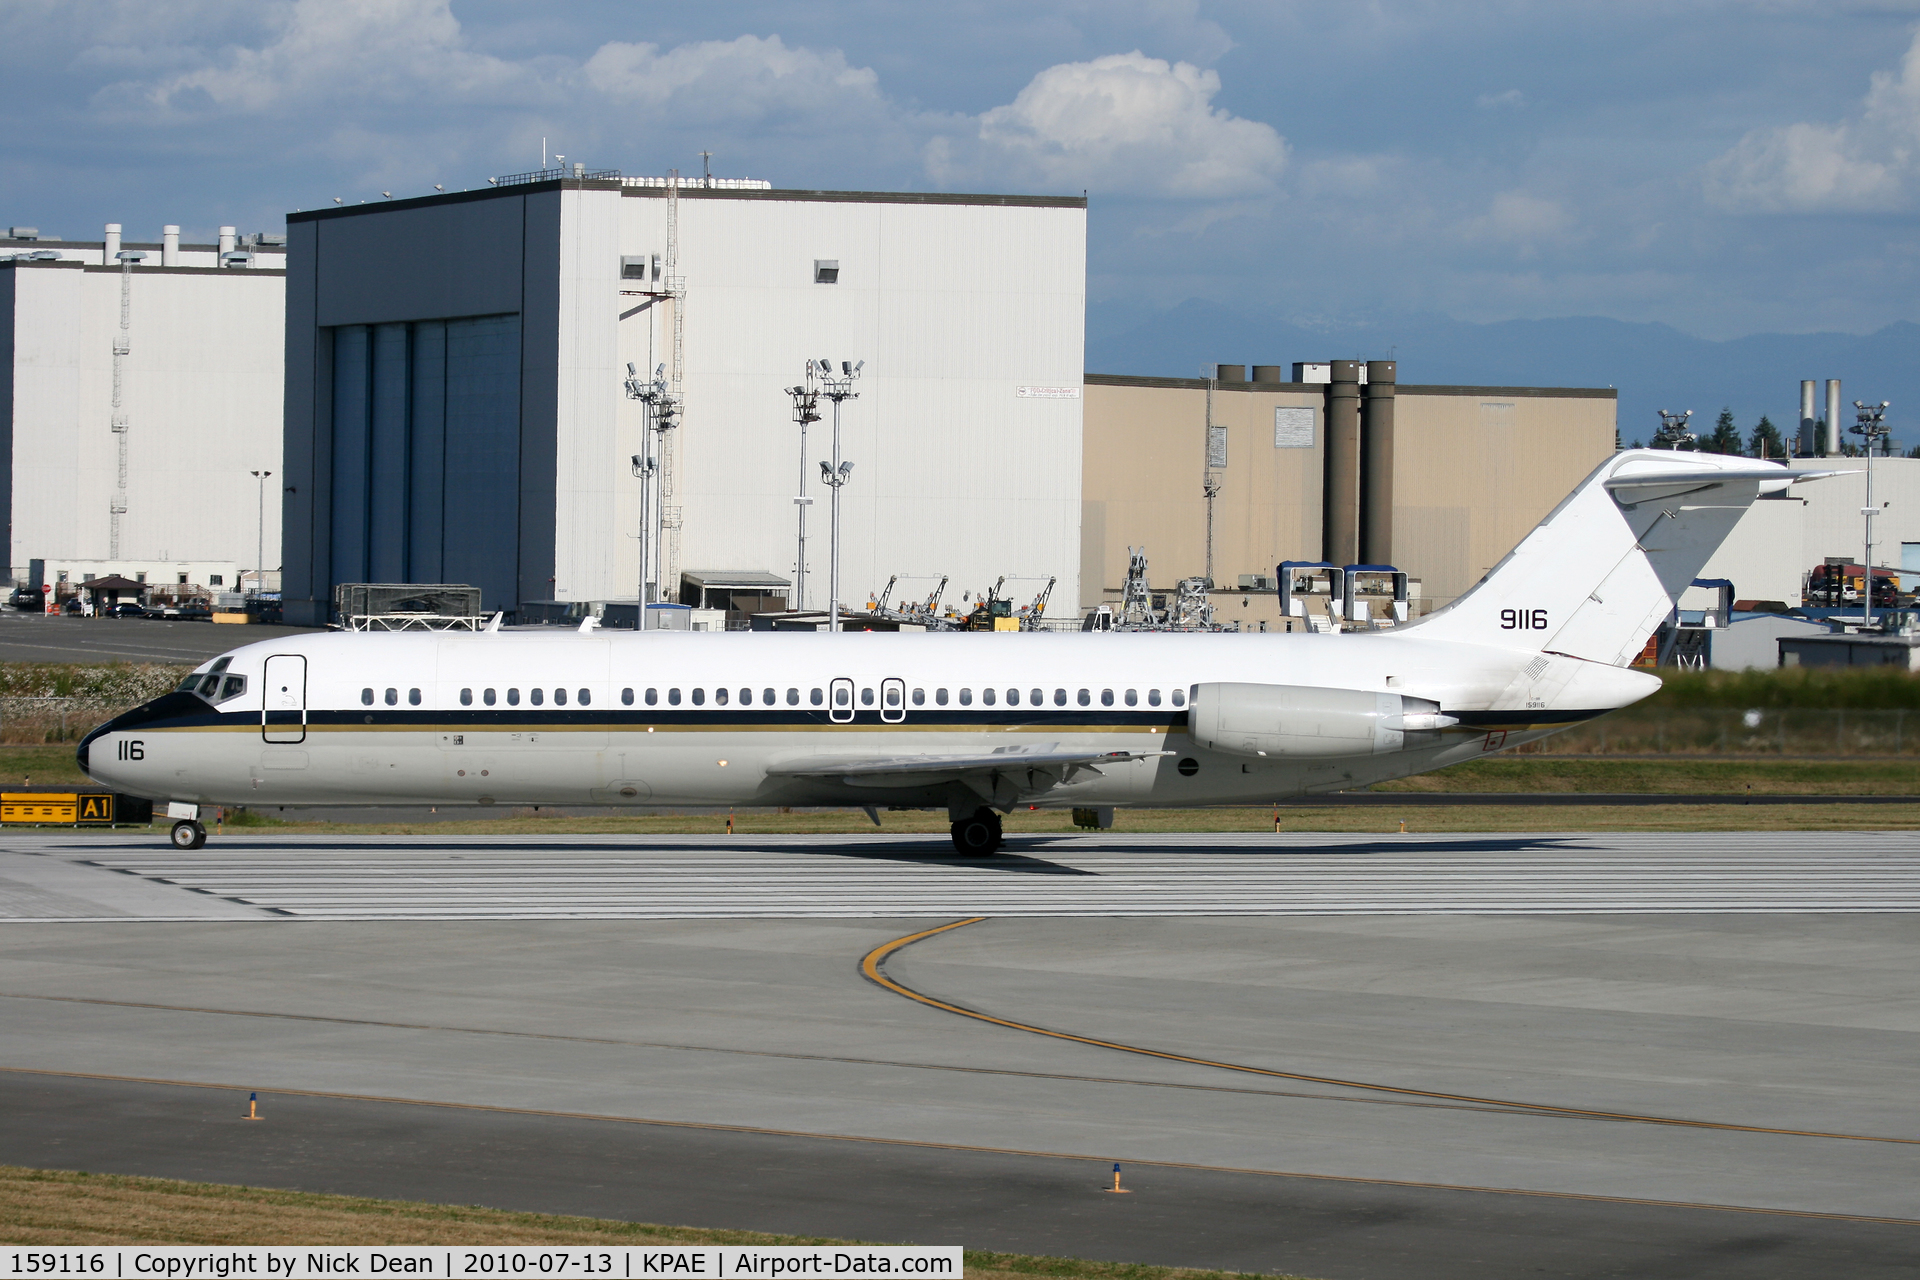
x=33 y=637
x=910 y=1193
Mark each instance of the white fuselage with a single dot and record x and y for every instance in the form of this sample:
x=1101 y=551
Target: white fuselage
x=611 y=718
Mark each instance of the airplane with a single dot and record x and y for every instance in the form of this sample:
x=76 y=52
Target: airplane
x=971 y=724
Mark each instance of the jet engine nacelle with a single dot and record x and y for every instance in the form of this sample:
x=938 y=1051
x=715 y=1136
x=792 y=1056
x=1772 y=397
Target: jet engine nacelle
x=1299 y=721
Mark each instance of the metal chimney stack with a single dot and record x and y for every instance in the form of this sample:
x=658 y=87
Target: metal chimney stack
x=1833 y=417
x=170 y=246
x=1809 y=446
x=229 y=238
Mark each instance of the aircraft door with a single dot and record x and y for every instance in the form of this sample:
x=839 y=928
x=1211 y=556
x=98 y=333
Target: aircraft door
x=283 y=699
x=841 y=701
x=893 y=701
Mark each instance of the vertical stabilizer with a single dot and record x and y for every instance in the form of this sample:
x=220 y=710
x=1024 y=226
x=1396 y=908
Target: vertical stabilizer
x=1598 y=575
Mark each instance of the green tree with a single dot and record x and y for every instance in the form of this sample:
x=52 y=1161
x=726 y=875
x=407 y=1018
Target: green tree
x=1766 y=441
x=1725 y=437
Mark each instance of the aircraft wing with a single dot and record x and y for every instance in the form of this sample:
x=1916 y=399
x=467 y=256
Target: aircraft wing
x=918 y=770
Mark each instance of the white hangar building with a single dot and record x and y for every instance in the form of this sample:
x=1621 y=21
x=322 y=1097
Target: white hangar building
x=190 y=339
x=455 y=407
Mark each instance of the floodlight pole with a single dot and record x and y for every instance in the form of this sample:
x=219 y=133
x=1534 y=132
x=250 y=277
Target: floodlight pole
x=837 y=388
x=260 y=540
x=644 y=468
x=663 y=414
x=1870 y=424
x=806 y=409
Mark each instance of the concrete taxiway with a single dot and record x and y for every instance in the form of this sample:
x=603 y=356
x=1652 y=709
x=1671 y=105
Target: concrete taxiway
x=1401 y=1013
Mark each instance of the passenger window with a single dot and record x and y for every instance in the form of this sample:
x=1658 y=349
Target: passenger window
x=513 y=697
x=1059 y=697
x=413 y=697
x=866 y=697
x=766 y=697
x=893 y=697
x=559 y=697
x=466 y=697
x=393 y=697
x=793 y=697
x=940 y=696
x=842 y=697
x=1013 y=697
x=1179 y=698
x=966 y=697
x=1153 y=697
x=699 y=697
x=719 y=697
x=919 y=697
x=1106 y=697
x=1085 y=699
x=537 y=696
x=673 y=697
x=816 y=698
x=1036 y=696
x=1133 y=699
x=586 y=696
x=626 y=698
x=366 y=696
x=487 y=697
x=986 y=696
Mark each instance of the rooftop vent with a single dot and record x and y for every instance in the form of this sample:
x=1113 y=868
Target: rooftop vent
x=23 y=233
x=826 y=271
x=237 y=258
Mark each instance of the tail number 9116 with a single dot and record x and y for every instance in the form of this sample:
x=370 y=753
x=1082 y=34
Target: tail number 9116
x=1523 y=619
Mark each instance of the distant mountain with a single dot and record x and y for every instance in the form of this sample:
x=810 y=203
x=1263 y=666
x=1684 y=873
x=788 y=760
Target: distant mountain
x=1654 y=366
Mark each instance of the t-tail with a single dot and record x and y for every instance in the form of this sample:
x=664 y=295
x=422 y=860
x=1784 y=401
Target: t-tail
x=1600 y=573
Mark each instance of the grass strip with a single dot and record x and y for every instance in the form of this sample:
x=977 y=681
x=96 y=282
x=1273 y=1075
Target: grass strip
x=56 y=1207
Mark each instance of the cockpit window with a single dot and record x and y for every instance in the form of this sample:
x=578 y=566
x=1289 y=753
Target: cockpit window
x=212 y=685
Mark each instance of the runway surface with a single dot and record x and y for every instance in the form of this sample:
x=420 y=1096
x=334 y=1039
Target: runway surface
x=680 y=1030
x=910 y=1194
x=688 y=877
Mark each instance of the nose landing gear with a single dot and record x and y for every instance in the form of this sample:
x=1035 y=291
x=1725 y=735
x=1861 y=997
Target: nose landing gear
x=188 y=834
x=979 y=835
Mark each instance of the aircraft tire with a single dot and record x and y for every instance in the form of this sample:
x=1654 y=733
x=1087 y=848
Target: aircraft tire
x=975 y=837
x=188 y=835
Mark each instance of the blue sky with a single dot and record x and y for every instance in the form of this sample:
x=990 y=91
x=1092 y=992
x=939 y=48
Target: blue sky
x=1728 y=168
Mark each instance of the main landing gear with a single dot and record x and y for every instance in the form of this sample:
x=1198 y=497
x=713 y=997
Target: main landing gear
x=188 y=834
x=978 y=835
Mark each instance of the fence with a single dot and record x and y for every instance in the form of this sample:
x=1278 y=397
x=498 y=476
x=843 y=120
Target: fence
x=1717 y=731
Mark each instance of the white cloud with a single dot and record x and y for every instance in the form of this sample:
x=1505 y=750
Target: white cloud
x=1866 y=163
x=1514 y=217
x=1511 y=99
x=1125 y=122
x=747 y=75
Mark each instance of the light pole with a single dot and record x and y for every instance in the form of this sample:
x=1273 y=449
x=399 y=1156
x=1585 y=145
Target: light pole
x=643 y=470
x=260 y=541
x=806 y=409
x=836 y=387
x=1673 y=430
x=1871 y=426
x=663 y=415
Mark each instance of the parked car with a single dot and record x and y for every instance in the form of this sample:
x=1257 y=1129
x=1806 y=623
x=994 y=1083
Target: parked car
x=193 y=611
x=27 y=599
x=72 y=607
x=124 y=609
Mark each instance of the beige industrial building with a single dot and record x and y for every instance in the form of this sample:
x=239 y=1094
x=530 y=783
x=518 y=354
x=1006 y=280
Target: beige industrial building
x=1337 y=463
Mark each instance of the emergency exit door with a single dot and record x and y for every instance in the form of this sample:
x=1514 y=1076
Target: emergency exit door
x=283 y=705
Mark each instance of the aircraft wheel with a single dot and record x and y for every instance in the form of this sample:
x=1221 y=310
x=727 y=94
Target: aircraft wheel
x=975 y=837
x=188 y=834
